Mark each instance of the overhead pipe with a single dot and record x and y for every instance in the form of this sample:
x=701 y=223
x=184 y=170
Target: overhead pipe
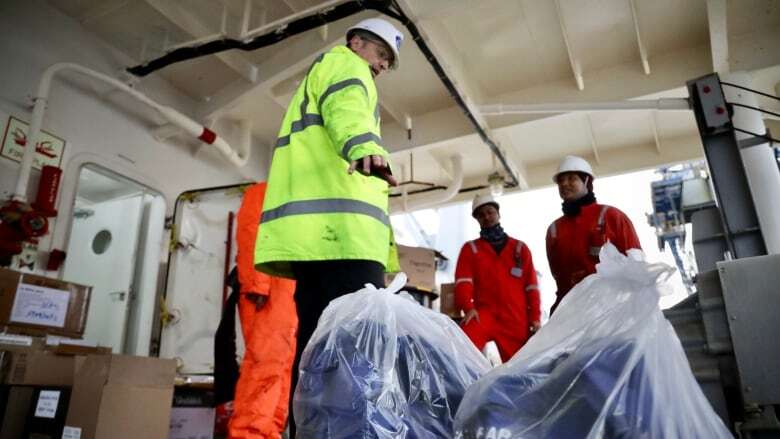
x=422 y=202
x=663 y=104
x=174 y=117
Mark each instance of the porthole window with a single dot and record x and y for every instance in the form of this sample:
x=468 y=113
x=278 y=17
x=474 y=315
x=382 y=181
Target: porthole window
x=101 y=241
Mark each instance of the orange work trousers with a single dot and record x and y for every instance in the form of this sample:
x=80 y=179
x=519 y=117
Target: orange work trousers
x=263 y=388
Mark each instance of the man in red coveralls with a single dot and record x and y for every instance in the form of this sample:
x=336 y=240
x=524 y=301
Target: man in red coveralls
x=495 y=285
x=268 y=322
x=575 y=239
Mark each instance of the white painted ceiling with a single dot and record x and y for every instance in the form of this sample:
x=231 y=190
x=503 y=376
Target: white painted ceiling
x=496 y=51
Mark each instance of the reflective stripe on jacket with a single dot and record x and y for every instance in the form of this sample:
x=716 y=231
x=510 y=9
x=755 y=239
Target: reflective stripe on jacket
x=573 y=243
x=504 y=283
x=314 y=210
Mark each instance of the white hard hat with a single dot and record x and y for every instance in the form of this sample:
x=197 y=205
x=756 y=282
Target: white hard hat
x=572 y=163
x=481 y=200
x=384 y=30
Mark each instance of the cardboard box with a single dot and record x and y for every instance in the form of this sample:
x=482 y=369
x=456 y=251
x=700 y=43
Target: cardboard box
x=37 y=305
x=447 y=303
x=15 y=342
x=35 y=389
x=119 y=396
x=33 y=411
x=37 y=368
x=419 y=264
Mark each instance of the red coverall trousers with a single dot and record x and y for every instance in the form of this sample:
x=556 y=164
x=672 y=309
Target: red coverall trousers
x=502 y=287
x=263 y=388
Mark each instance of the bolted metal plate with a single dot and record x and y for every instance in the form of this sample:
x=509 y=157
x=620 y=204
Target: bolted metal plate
x=751 y=293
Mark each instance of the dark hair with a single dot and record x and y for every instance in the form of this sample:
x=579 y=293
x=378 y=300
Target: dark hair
x=489 y=203
x=369 y=36
x=583 y=177
x=366 y=35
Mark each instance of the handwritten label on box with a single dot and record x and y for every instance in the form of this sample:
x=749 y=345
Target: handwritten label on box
x=40 y=305
x=47 y=404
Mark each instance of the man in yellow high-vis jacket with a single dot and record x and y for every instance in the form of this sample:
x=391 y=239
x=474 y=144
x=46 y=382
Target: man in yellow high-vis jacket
x=325 y=217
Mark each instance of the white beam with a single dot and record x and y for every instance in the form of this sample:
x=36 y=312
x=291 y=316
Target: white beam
x=656 y=136
x=719 y=38
x=642 y=50
x=593 y=144
x=295 y=5
x=447 y=55
x=101 y=10
x=189 y=23
x=576 y=67
x=276 y=69
x=246 y=18
x=515 y=163
x=282 y=65
x=392 y=109
x=282 y=22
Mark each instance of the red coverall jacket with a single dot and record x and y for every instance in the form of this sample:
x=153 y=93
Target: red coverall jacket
x=503 y=289
x=574 y=242
x=263 y=387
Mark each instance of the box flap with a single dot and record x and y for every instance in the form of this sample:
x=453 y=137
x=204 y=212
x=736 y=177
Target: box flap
x=131 y=412
x=90 y=378
x=37 y=368
x=141 y=371
x=447 y=304
x=13 y=342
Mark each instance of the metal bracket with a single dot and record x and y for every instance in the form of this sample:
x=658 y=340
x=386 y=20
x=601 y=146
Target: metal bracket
x=756 y=140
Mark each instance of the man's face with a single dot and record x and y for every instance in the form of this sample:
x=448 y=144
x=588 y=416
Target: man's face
x=377 y=54
x=487 y=216
x=571 y=187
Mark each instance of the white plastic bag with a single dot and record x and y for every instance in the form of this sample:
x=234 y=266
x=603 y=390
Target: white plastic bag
x=379 y=365
x=607 y=364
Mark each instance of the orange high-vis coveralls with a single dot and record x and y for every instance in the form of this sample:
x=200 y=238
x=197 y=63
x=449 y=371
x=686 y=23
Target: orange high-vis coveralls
x=574 y=242
x=263 y=389
x=503 y=289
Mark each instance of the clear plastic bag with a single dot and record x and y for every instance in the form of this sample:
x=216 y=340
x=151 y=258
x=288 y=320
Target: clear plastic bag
x=381 y=366
x=607 y=364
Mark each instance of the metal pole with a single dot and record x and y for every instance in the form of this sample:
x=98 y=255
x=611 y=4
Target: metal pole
x=672 y=104
x=759 y=161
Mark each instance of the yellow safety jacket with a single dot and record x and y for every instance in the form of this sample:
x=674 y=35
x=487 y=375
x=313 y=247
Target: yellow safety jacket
x=314 y=210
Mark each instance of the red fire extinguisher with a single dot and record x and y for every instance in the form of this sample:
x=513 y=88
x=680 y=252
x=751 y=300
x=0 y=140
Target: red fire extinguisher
x=48 y=186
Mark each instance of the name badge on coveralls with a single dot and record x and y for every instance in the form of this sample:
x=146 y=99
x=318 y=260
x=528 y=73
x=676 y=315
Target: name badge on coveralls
x=516 y=272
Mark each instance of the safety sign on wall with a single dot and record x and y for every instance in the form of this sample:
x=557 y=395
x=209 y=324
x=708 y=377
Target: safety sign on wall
x=48 y=151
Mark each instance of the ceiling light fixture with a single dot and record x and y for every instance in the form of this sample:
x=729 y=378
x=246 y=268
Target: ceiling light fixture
x=496 y=182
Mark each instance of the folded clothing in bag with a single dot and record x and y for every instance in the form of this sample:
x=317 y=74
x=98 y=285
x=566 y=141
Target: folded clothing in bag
x=586 y=380
x=606 y=365
x=382 y=366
